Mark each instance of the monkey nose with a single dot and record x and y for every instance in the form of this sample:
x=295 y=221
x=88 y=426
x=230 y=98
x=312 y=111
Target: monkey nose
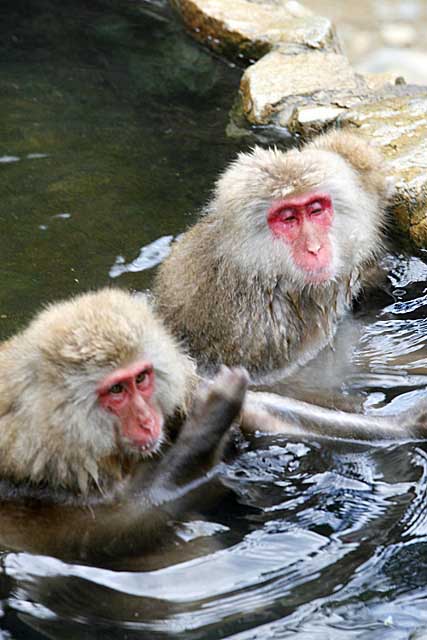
x=147 y=423
x=314 y=248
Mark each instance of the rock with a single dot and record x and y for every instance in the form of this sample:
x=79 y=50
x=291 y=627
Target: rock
x=398 y=125
x=276 y=84
x=396 y=34
x=250 y=28
x=311 y=120
x=377 y=81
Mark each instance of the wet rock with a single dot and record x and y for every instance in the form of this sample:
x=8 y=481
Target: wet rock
x=276 y=84
x=398 y=125
x=250 y=28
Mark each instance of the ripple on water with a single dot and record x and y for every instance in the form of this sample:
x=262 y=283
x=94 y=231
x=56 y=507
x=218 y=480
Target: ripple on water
x=326 y=556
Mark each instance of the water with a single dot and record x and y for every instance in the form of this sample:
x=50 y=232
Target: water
x=112 y=131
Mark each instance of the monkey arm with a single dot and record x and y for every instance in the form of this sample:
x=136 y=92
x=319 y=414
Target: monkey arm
x=271 y=413
x=200 y=443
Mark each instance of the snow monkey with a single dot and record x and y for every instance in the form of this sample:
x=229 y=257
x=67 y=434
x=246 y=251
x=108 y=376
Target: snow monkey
x=285 y=245
x=85 y=391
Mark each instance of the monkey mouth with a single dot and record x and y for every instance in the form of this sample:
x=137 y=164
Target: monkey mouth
x=140 y=450
x=144 y=447
x=139 y=443
x=149 y=447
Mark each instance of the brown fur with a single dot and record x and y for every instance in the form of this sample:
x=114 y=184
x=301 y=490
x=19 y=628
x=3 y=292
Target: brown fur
x=52 y=430
x=232 y=290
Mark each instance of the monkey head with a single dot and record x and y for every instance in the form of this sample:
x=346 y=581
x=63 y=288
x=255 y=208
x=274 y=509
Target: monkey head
x=309 y=214
x=94 y=379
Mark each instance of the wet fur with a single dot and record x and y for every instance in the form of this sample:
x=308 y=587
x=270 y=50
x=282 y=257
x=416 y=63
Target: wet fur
x=52 y=430
x=232 y=291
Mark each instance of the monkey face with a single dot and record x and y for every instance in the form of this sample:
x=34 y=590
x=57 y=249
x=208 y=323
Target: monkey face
x=128 y=394
x=303 y=223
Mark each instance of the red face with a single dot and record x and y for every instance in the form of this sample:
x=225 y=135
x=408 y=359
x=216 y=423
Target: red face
x=303 y=222
x=128 y=394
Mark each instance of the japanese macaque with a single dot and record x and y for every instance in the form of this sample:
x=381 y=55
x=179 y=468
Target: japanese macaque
x=285 y=245
x=85 y=391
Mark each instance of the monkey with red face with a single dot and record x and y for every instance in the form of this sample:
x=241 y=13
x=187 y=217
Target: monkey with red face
x=85 y=391
x=282 y=250
x=87 y=395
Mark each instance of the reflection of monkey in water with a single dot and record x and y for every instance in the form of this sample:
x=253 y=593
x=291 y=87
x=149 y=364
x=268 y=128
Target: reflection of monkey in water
x=286 y=243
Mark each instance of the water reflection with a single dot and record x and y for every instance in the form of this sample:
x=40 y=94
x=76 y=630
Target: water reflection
x=129 y=115
x=323 y=540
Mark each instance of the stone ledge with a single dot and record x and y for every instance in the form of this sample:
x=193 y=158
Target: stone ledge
x=280 y=81
x=248 y=29
x=398 y=125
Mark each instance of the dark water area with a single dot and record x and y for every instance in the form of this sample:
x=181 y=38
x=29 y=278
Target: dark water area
x=112 y=126
x=112 y=129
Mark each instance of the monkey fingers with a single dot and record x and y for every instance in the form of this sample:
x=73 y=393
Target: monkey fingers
x=199 y=446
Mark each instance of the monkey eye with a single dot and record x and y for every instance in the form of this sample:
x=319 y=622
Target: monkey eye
x=116 y=388
x=316 y=208
x=288 y=215
x=143 y=377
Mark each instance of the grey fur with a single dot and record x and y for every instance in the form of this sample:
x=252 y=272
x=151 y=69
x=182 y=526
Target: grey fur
x=232 y=291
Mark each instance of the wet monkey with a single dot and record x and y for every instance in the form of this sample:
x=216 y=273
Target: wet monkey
x=286 y=243
x=86 y=394
x=85 y=390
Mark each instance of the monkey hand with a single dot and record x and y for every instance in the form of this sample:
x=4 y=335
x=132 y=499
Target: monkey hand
x=199 y=446
x=217 y=402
